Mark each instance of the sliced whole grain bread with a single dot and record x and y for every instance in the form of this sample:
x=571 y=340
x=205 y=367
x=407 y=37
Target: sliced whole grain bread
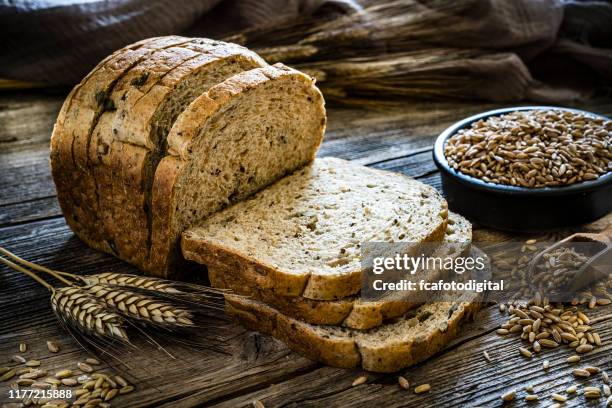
x=351 y=311
x=302 y=236
x=73 y=128
x=242 y=135
x=129 y=143
x=410 y=339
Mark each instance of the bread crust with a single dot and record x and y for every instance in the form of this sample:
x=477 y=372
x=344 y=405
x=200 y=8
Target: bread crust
x=184 y=133
x=319 y=344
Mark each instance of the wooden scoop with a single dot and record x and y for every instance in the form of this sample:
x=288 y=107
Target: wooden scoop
x=599 y=264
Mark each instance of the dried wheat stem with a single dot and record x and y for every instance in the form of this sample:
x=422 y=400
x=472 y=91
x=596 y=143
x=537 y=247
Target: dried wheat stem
x=26 y=272
x=56 y=274
x=85 y=311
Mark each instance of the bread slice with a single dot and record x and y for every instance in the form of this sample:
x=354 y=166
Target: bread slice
x=240 y=136
x=351 y=312
x=414 y=337
x=302 y=236
x=129 y=143
x=75 y=123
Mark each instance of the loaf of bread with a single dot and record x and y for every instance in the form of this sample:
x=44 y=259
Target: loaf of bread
x=114 y=131
x=302 y=236
x=414 y=337
x=350 y=311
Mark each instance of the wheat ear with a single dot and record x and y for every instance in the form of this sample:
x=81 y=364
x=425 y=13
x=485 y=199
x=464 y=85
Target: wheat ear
x=143 y=307
x=134 y=281
x=83 y=310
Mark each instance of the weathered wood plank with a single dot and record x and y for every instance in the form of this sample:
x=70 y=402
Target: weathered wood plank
x=27 y=118
x=25 y=175
x=30 y=210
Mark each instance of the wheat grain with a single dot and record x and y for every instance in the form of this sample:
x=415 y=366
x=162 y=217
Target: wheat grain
x=70 y=382
x=22 y=382
x=7 y=375
x=53 y=347
x=558 y=397
x=584 y=348
x=126 y=390
x=86 y=368
x=52 y=381
x=592 y=392
x=549 y=343
x=509 y=396
x=403 y=382
x=579 y=372
x=360 y=380
x=571 y=389
x=19 y=359
x=573 y=359
x=110 y=394
x=524 y=352
x=63 y=374
x=92 y=361
x=422 y=388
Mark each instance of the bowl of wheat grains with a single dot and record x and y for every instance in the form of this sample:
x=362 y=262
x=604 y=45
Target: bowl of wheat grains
x=528 y=168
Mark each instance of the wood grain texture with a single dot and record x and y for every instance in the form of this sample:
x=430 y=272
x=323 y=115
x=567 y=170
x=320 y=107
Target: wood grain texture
x=393 y=137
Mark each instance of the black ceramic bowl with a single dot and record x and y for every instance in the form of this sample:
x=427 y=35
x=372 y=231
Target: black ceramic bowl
x=520 y=208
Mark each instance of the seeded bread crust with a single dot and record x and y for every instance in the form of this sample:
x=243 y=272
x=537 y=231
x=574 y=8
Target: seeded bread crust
x=75 y=123
x=190 y=145
x=351 y=312
x=388 y=348
x=210 y=243
x=144 y=99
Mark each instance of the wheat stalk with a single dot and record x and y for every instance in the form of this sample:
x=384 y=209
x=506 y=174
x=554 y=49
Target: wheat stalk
x=403 y=48
x=87 y=313
x=143 y=307
x=104 y=304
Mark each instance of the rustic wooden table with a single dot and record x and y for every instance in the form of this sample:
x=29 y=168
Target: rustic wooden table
x=397 y=138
